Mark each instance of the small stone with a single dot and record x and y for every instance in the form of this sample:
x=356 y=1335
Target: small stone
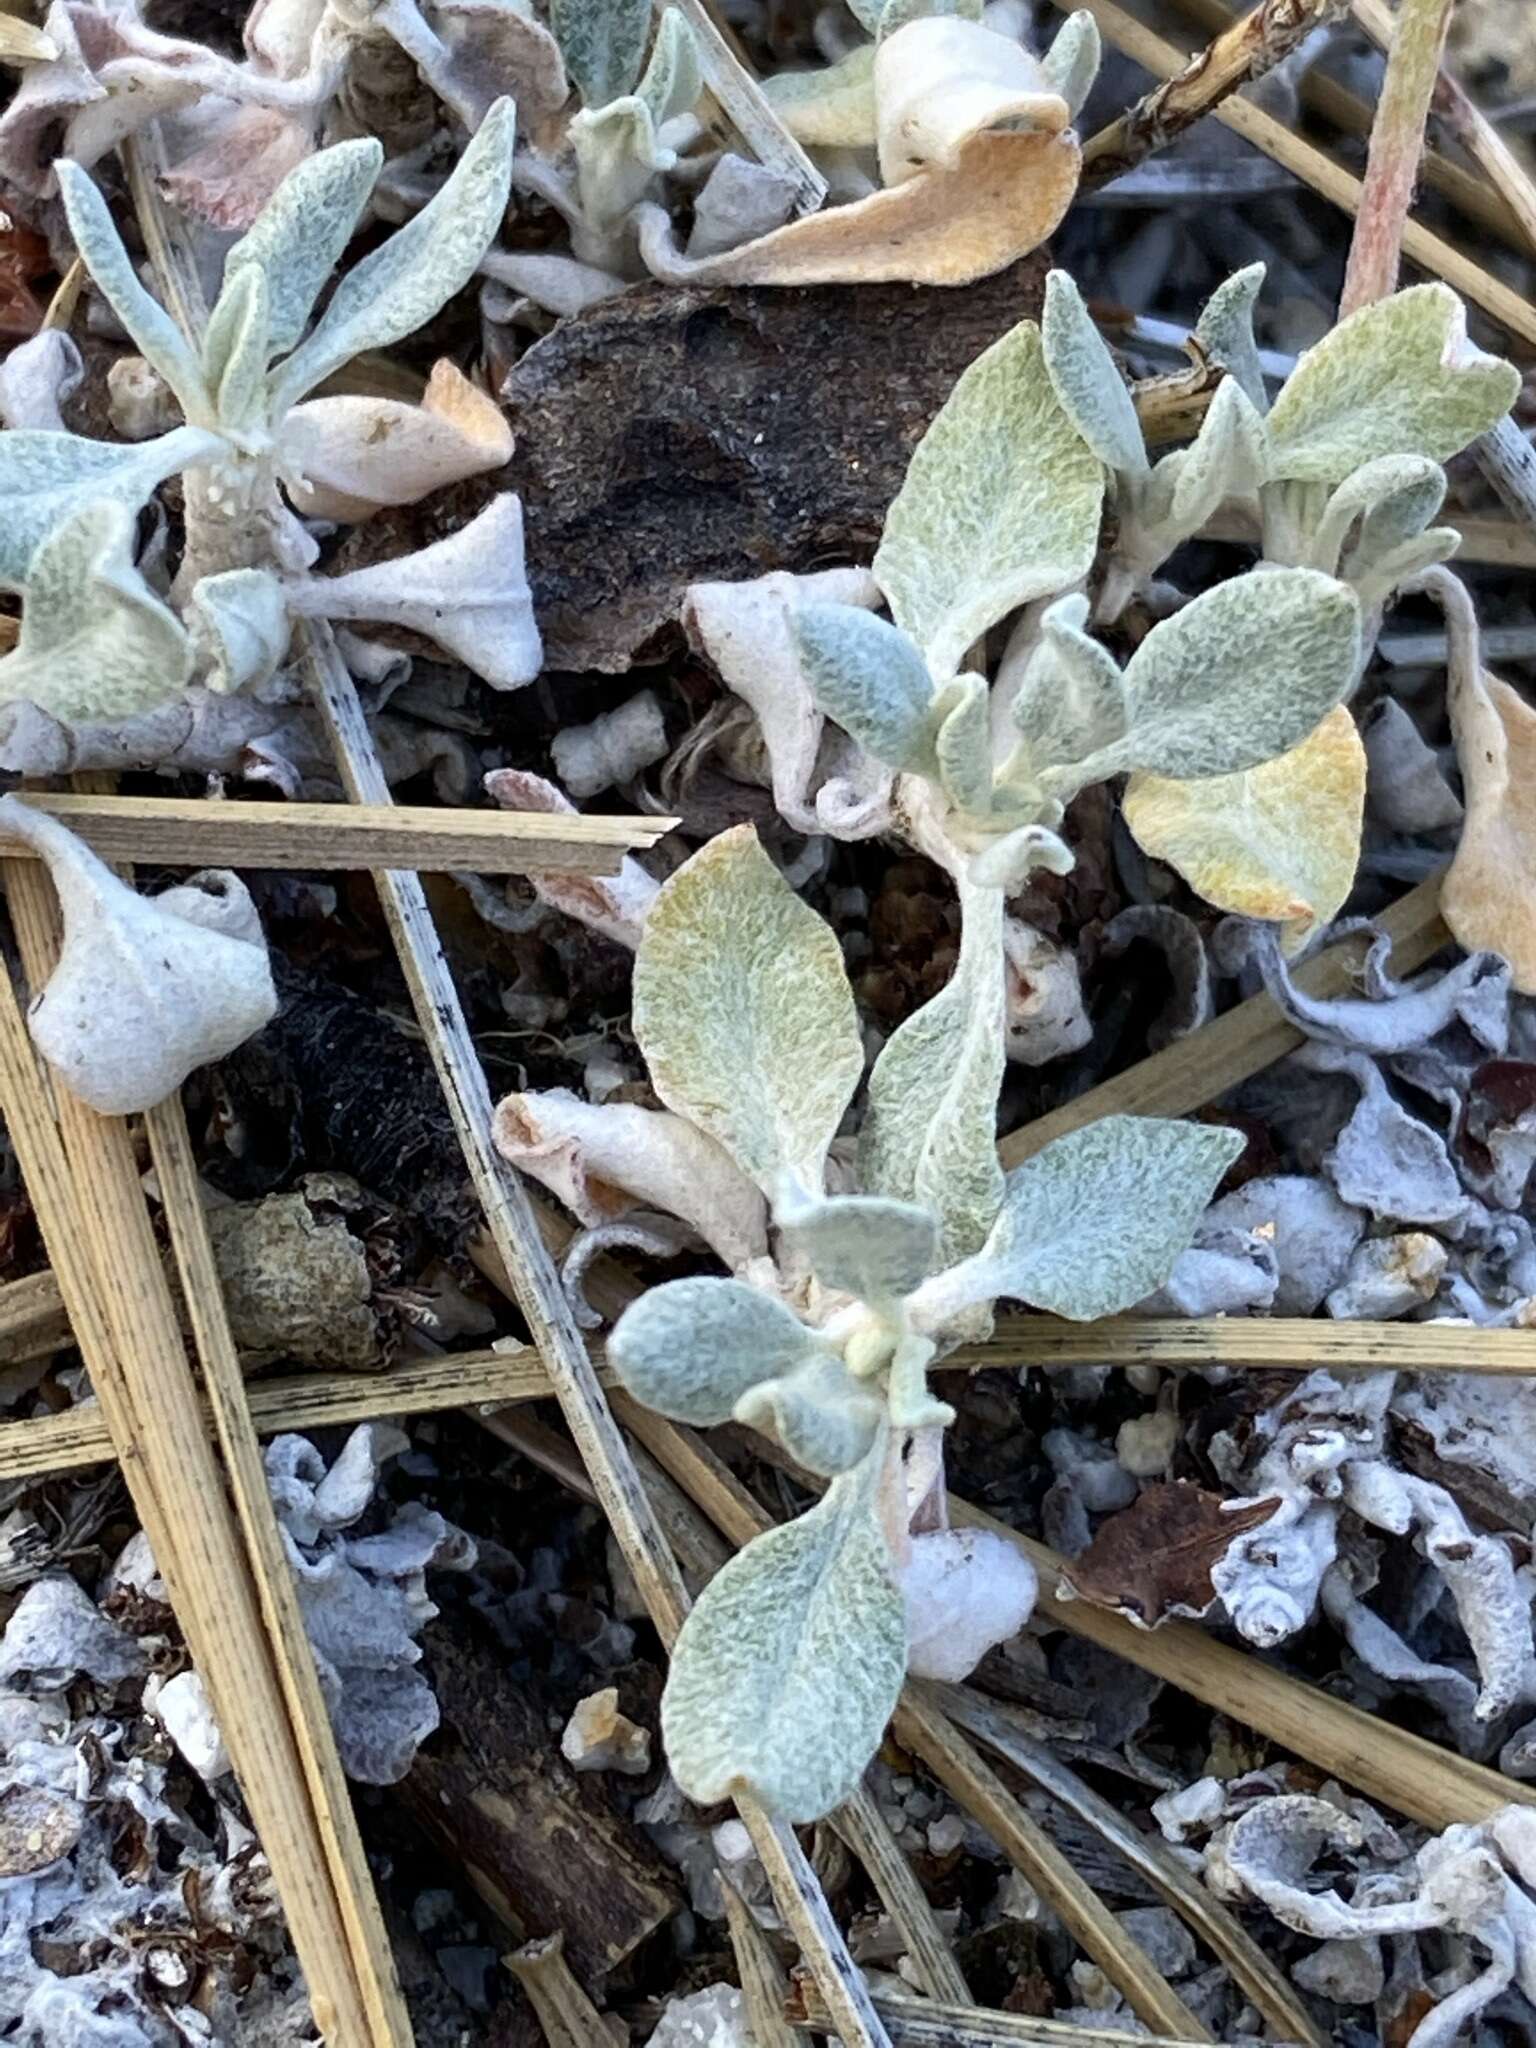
x=715 y=2017
x=599 y=1738
x=182 y=1708
x=945 y=1836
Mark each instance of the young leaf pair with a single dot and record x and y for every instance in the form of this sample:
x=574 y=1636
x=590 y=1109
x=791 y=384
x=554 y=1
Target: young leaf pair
x=67 y=503
x=790 y=1664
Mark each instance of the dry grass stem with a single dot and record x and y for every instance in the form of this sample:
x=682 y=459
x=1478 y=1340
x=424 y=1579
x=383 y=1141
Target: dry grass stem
x=567 y=2015
x=918 y=2023
x=84 y=1184
x=997 y=1728
x=230 y=833
x=764 y=1987
x=747 y=107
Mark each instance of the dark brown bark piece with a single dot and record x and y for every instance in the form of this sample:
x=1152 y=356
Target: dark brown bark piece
x=541 y=1845
x=672 y=436
x=1154 y=1559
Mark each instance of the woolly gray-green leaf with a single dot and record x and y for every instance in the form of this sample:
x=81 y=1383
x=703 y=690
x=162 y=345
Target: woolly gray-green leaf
x=95 y=644
x=1000 y=504
x=962 y=744
x=158 y=339
x=1397 y=378
x=1072 y=697
x=1225 y=331
x=673 y=80
x=46 y=477
x=1235 y=678
x=603 y=44
x=1228 y=458
x=691 y=1348
x=302 y=232
x=1394 y=499
x=824 y=1417
x=863 y=1245
x=409 y=278
x=832 y=107
x=1071 y=64
x=789 y=1667
x=235 y=352
x=867 y=675
x=1091 y=389
x=240 y=622
x=743 y=1011
x=930 y=1131
x=1094 y=1222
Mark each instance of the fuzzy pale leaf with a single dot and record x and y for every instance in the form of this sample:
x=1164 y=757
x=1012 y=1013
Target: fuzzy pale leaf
x=1228 y=458
x=1225 y=331
x=302 y=232
x=1072 y=696
x=602 y=42
x=1489 y=895
x=1278 y=842
x=1090 y=387
x=46 y=477
x=1000 y=504
x=1093 y=1223
x=1003 y=197
x=876 y=1250
x=867 y=675
x=743 y=1011
x=930 y=1132
x=1071 y=63
x=358 y=454
x=469 y=593
x=1397 y=378
x=691 y=1348
x=941 y=81
x=1241 y=674
x=154 y=333
x=240 y=623
x=790 y=1665
x=406 y=280
x=95 y=641
x=235 y=352
x=832 y=107
x=824 y=1417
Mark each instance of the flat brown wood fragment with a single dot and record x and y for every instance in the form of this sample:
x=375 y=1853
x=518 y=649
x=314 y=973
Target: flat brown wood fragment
x=672 y=436
x=176 y=831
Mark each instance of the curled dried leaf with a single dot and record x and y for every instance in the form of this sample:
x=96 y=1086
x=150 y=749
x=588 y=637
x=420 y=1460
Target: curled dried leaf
x=356 y=455
x=1489 y=896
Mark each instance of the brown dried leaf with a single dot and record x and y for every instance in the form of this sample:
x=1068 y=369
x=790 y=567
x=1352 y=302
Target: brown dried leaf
x=1154 y=1559
x=1003 y=196
x=1489 y=897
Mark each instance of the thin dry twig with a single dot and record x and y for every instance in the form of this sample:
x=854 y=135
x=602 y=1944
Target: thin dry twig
x=1397 y=141
x=1242 y=52
x=1164 y=60
x=998 y=1728
x=764 y=1987
x=920 y=2023
x=229 y=833
x=567 y=2015
x=747 y=107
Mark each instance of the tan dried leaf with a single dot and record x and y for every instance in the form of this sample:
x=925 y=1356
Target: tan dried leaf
x=1003 y=196
x=1489 y=897
x=1278 y=842
x=1154 y=1559
x=358 y=455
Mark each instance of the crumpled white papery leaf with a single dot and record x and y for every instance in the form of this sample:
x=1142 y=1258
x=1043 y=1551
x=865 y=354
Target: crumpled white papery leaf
x=1044 y=996
x=745 y=630
x=364 y=1599
x=351 y=456
x=615 y=905
x=1383 y=1159
x=604 y=1158
x=1312 y=1230
x=966 y=1590
x=57 y=1633
x=469 y=593
x=35 y=377
x=146 y=989
x=941 y=80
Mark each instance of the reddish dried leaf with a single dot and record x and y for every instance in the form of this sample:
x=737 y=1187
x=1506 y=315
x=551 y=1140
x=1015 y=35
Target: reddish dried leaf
x=1154 y=1559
